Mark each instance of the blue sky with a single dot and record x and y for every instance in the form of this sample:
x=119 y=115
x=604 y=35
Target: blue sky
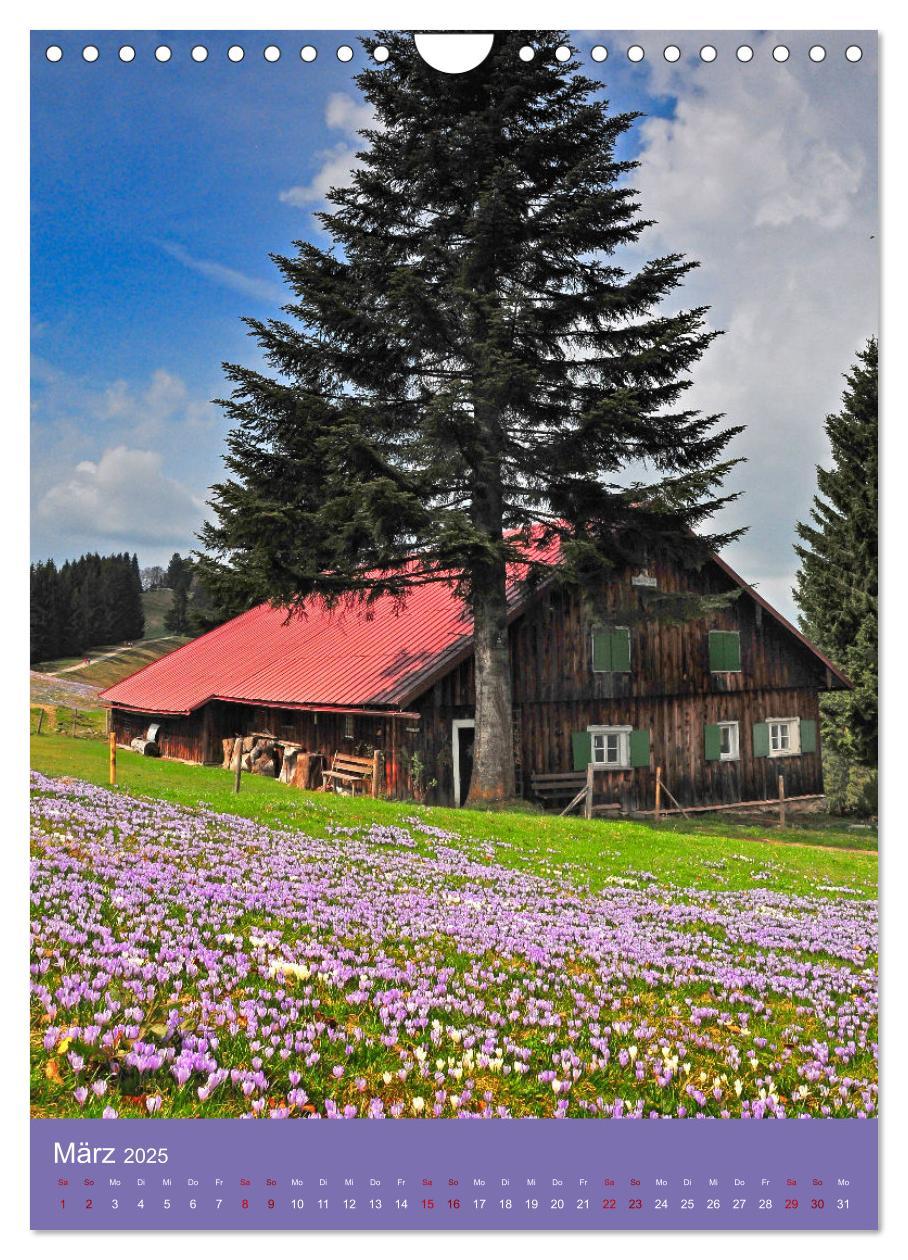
x=159 y=189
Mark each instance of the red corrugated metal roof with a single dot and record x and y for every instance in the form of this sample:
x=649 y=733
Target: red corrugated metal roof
x=348 y=657
x=380 y=657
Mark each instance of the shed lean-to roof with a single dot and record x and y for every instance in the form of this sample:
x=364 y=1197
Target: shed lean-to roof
x=375 y=657
x=381 y=658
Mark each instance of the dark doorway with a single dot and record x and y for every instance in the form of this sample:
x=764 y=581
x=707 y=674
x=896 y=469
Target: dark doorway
x=465 y=738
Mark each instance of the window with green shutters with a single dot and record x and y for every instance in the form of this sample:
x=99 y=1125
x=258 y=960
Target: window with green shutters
x=721 y=741
x=610 y=747
x=724 y=651
x=611 y=650
x=784 y=737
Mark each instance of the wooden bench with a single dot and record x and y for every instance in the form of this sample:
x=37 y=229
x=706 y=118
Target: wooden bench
x=352 y=773
x=564 y=786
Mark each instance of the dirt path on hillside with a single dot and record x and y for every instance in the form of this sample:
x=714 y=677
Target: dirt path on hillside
x=105 y=656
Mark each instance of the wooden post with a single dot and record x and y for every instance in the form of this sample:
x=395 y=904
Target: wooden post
x=40 y=720
x=658 y=793
x=112 y=747
x=238 y=756
x=72 y=725
x=588 y=807
x=376 y=770
x=781 y=800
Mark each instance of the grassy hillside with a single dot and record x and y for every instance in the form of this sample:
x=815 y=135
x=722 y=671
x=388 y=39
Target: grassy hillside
x=110 y=664
x=156 y=605
x=104 y=671
x=49 y=691
x=683 y=851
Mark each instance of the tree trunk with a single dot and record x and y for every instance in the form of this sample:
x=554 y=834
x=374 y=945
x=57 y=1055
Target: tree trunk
x=493 y=750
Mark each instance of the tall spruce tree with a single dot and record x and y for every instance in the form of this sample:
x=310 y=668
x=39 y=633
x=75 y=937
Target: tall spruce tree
x=467 y=366
x=837 y=580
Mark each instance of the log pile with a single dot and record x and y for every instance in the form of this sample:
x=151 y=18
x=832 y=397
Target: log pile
x=269 y=757
x=259 y=756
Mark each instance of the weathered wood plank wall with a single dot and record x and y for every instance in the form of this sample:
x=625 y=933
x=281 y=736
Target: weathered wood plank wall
x=669 y=691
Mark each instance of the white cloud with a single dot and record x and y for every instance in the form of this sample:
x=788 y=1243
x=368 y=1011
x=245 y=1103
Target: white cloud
x=766 y=175
x=229 y=277
x=124 y=498
x=121 y=462
x=336 y=163
x=344 y=112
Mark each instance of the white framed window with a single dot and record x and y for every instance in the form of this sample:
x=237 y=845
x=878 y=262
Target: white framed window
x=348 y=726
x=784 y=736
x=611 y=746
x=729 y=741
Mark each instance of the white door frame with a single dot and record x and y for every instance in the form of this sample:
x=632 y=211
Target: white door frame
x=457 y=726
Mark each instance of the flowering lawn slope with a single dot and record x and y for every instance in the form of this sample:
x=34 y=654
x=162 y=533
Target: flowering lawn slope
x=188 y=963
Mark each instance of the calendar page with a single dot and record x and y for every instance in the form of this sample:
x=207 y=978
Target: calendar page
x=454 y=630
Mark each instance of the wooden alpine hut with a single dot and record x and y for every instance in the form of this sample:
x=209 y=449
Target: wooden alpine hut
x=720 y=705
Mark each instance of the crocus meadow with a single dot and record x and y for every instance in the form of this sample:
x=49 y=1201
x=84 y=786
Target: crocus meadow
x=187 y=963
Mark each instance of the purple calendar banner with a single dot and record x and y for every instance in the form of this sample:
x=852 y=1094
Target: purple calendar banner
x=451 y=1174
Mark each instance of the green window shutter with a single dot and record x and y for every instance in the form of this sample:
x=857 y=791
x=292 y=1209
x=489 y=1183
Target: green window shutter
x=621 y=650
x=761 y=739
x=724 y=651
x=611 y=651
x=639 y=748
x=582 y=749
x=808 y=736
x=712 y=742
x=733 y=651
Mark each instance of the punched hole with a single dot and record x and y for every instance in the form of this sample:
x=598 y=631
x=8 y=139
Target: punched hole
x=127 y=53
x=562 y=53
x=272 y=53
x=381 y=53
x=527 y=53
x=817 y=53
x=345 y=53
x=308 y=53
x=672 y=53
x=599 y=53
x=235 y=53
x=90 y=53
x=635 y=53
x=745 y=53
x=708 y=53
x=854 y=52
x=54 y=53
x=199 y=53
x=162 y=53
x=454 y=53
x=780 y=53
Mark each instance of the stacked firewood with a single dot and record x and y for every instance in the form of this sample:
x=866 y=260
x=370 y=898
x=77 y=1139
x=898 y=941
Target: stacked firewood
x=261 y=755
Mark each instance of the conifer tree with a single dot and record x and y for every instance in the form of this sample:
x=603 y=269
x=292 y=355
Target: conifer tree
x=470 y=365
x=179 y=579
x=45 y=611
x=837 y=588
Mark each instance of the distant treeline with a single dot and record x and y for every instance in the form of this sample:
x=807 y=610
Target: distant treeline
x=83 y=603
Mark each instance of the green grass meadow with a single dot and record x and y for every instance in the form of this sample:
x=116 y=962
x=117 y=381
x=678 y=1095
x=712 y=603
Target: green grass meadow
x=703 y=852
